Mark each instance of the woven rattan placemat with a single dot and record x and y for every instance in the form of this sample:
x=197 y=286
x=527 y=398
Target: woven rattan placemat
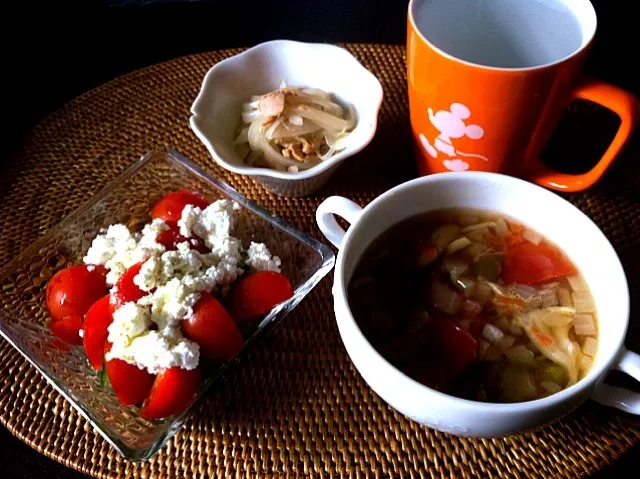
x=296 y=406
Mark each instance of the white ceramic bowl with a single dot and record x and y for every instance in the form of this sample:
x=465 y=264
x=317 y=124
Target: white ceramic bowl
x=261 y=69
x=534 y=206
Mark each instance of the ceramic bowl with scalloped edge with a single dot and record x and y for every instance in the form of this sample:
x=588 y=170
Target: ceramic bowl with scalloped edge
x=215 y=114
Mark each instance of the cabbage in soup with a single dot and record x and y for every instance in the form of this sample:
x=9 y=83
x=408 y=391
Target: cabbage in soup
x=475 y=305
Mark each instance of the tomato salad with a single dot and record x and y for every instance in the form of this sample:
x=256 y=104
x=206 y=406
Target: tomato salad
x=154 y=309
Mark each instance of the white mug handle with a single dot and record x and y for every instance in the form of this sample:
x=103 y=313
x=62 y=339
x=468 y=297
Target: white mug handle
x=336 y=205
x=628 y=401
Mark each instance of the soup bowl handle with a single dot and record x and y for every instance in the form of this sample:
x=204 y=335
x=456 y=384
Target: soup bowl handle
x=325 y=217
x=628 y=401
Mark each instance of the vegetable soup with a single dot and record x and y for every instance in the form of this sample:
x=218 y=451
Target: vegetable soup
x=475 y=305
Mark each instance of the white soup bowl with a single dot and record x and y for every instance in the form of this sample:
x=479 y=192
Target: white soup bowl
x=545 y=212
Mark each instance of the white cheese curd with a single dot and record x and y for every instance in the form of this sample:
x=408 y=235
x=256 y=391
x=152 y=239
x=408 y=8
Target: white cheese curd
x=223 y=274
x=133 y=341
x=148 y=333
x=259 y=258
x=149 y=236
x=171 y=302
x=129 y=320
x=188 y=219
x=149 y=275
x=158 y=270
x=117 y=249
x=226 y=248
x=199 y=272
x=109 y=248
x=155 y=352
x=212 y=224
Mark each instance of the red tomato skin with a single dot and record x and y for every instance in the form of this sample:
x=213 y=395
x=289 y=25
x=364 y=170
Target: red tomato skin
x=169 y=208
x=213 y=329
x=256 y=294
x=172 y=237
x=126 y=289
x=72 y=291
x=67 y=329
x=96 y=323
x=456 y=347
x=130 y=383
x=172 y=392
x=529 y=264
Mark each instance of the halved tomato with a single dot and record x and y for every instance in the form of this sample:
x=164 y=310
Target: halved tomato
x=256 y=294
x=172 y=392
x=72 y=291
x=126 y=290
x=130 y=383
x=172 y=237
x=454 y=347
x=67 y=328
x=169 y=209
x=96 y=323
x=213 y=329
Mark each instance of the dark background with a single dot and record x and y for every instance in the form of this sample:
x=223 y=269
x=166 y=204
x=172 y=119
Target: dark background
x=58 y=50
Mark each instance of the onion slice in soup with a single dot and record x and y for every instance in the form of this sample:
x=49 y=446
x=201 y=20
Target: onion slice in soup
x=444 y=298
x=492 y=333
x=553 y=341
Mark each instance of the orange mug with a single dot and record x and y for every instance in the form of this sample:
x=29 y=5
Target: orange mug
x=488 y=81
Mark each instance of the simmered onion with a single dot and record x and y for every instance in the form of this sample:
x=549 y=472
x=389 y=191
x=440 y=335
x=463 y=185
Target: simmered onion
x=492 y=333
x=522 y=356
x=293 y=129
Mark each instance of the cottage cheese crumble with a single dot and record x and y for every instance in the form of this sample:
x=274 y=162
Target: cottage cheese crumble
x=148 y=333
x=117 y=249
x=259 y=258
x=133 y=341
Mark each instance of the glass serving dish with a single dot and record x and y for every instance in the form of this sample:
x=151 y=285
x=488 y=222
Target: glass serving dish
x=128 y=199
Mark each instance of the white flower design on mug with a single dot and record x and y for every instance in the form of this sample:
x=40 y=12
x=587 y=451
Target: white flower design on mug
x=451 y=125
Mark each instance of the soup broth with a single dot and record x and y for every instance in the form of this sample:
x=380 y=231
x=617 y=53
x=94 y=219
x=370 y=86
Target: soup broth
x=475 y=305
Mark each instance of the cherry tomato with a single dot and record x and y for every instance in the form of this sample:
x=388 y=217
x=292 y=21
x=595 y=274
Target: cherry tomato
x=453 y=346
x=130 y=383
x=213 y=329
x=172 y=237
x=169 y=209
x=527 y=263
x=67 y=328
x=72 y=291
x=256 y=294
x=126 y=289
x=96 y=322
x=172 y=392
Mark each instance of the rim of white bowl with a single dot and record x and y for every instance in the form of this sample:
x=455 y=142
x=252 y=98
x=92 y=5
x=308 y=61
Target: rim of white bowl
x=285 y=175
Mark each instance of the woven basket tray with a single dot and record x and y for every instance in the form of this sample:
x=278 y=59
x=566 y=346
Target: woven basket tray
x=296 y=407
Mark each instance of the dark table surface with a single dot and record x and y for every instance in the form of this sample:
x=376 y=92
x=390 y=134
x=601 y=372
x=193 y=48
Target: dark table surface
x=56 y=52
